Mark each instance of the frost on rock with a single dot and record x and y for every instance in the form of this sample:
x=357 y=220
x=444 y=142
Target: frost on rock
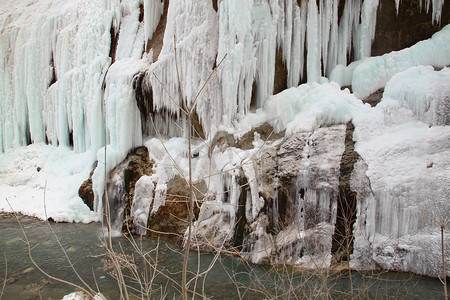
x=307 y=212
x=276 y=202
x=402 y=184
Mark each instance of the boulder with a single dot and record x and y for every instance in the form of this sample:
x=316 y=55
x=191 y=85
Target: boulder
x=171 y=219
x=86 y=192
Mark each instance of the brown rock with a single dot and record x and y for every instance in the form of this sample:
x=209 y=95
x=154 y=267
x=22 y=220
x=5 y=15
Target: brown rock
x=374 y=98
x=86 y=192
x=266 y=133
x=171 y=219
x=280 y=78
x=156 y=42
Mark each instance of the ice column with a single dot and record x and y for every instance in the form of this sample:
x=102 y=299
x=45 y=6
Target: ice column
x=123 y=122
x=313 y=67
x=366 y=32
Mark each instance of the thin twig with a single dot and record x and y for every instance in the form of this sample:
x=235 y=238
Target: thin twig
x=444 y=263
x=5 y=278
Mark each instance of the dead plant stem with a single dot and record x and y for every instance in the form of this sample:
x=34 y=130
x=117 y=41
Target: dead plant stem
x=5 y=278
x=444 y=263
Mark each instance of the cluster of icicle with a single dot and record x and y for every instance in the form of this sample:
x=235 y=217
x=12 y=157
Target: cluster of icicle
x=249 y=33
x=55 y=62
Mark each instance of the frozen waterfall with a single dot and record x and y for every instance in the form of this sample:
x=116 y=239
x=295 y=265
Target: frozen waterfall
x=84 y=81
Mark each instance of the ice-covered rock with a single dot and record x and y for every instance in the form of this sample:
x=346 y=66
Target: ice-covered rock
x=423 y=91
x=402 y=179
x=121 y=187
x=287 y=189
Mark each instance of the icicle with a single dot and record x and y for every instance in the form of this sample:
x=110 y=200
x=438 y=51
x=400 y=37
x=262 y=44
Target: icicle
x=366 y=32
x=295 y=72
x=326 y=15
x=313 y=35
x=264 y=25
x=397 y=4
x=254 y=202
x=285 y=31
x=294 y=32
x=437 y=10
x=333 y=43
x=194 y=24
x=236 y=41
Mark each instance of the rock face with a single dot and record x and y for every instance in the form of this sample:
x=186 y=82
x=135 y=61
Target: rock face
x=397 y=31
x=277 y=206
x=265 y=131
x=346 y=202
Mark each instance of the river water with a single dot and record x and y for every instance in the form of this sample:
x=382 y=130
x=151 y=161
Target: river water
x=228 y=278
